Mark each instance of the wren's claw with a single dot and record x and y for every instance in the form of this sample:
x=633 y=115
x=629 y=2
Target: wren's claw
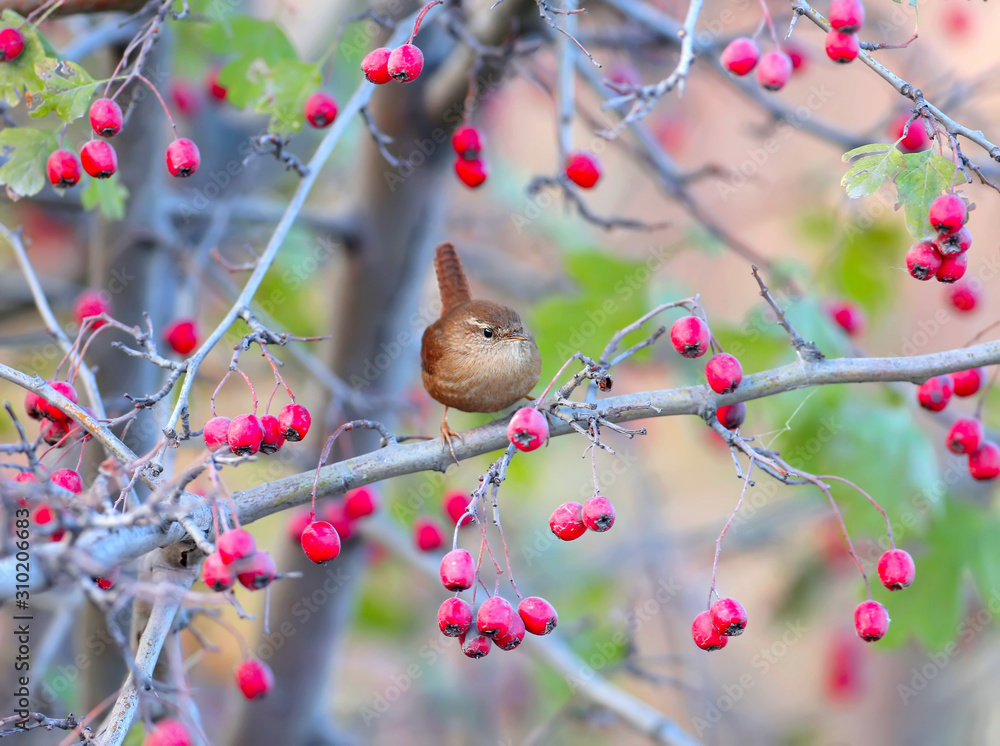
x=447 y=433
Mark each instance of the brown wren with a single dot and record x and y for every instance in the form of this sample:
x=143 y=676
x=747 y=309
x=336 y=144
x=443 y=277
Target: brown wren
x=478 y=357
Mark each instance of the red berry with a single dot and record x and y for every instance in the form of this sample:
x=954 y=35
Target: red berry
x=235 y=544
x=477 y=646
x=254 y=678
x=454 y=617
x=427 y=535
x=63 y=169
x=984 y=463
x=729 y=618
x=43 y=515
x=538 y=615
x=91 y=303
x=847 y=15
x=467 y=142
x=216 y=91
x=215 y=433
x=336 y=515
x=774 y=70
x=896 y=569
x=257 y=572
x=935 y=393
x=183 y=158
x=321 y=109
x=273 y=439
x=963 y=296
x=732 y=416
x=566 y=521
x=496 y=617
x=472 y=173
x=360 y=503
x=375 y=66
x=528 y=429
x=321 y=542
x=106 y=117
x=458 y=570
x=947 y=213
x=740 y=55
x=168 y=732
x=217 y=575
x=953 y=268
x=405 y=63
x=705 y=635
x=454 y=505
x=186 y=98
x=845 y=668
x=923 y=260
x=297 y=523
x=511 y=638
x=848 y=316
x=182 y=336
x=99 y=159
x=871 y=620
x=295 y=421
x=967 y=382
x=916 y=138
x=583 y=169
x=245 y=434
x=965 y=436
x=34 y=405
x=724 y=373
x=11 y=44
x=53 y=432
x=51 y=410
x=841 y=47
x=598 y=514
x=954 y=243
x=798 y=55
x=68 y=480
x=690 y=336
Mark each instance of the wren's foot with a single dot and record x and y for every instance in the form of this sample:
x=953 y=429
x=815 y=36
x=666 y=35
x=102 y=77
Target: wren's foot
x=447 y=433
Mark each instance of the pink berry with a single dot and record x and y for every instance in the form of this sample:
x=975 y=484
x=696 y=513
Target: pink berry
x=405 y=63
x=774 y=70
x=254 y=678
x=841 y=47
x=963 y=296
x=91 y=303
x=847 y=15
x=495 y=617
x=168 y=732
x=375 y=66
x=935 y=393
x=215 y=90
x=848 y=317
x=598 y=514
x=63 y=169
x=321 y=542
x=724 y=373
x=965 y=436
x=245 y=434
x=34 y=405
x=871 y=620
x=458 y=570
x=361 y=502
x=528 y=429
x=916 y=138
x=798 y=55
x=923 y=260
x=217 y=574
x=947 y=213
x=624 y=74
x=53 y=432
x=471 y=172
x=740 y=56
x=454 y=505
x=295 y=421
x=11 y=44
x=968 y=382
x=690 y=336
x=954 y=243
x=68 y=480
x=729 y=618
x=99 y=159
x=512 y=637
x=566 y=521
x=335 y=513
x=51 y=410
x=454 y=617
x=467 y=142
x=953 y=268
x=427 y=535
x=273 y=439
x=705 y=635
x=183 y=158
x=583 y=169
x=258 y=571
x=106 y=117
x=476 y=646
x=182 y=336
x=732 y=416
x=235 y=544
x=320 y=109
x=984 y=463
x=896 y=569
x=186 y=98
x=538 y=615
x=215 y=433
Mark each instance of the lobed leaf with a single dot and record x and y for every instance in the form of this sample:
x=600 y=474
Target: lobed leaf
x=925 y=176
x=68 y=90
x=26 y=149
x=873 y=165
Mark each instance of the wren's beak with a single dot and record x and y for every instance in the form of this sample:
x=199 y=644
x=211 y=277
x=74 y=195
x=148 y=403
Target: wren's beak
x=518 y=337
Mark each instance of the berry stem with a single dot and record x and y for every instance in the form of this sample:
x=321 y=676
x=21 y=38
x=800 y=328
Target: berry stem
x=718 y=542
x=166 y=110
x=420 y=18
x=770 y=23
x=872 y=500
x=847 y=536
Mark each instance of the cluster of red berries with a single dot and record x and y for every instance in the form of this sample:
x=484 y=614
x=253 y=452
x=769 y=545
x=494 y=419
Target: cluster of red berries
x=497 y=623
x=55 y=427
x=43 y=515
x=896 y=570
x=774 y=69
x=712 y=629
x=946 y=256
x=583 y=169
x=692 y=338
x=236 y=557
x=471 y=169
x=966 y=436
x=321 y=540
x=320 y=110
x=402 y=64
x=246 y=434
x=571 y=520
x=846 y=19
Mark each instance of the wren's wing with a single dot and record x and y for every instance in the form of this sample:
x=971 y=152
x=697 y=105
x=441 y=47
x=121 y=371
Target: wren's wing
x=451 y=279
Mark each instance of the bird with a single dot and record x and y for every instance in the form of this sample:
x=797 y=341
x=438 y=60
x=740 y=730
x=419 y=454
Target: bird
x=478 y=356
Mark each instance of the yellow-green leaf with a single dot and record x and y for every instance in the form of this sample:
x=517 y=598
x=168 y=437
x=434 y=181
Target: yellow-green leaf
x=68 y=90
x=873 y=165
x=26 y=150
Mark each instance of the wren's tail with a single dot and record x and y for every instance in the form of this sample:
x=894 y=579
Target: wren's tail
x=451 y=278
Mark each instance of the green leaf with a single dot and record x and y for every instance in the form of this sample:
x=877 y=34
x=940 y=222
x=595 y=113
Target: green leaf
x=259 y=46
x=878 y=247
x=925 y=176
x=873 y=165
x=28 y=149
x=288 y=85
x=68 y=90
x=19 y=75
x=107 y=195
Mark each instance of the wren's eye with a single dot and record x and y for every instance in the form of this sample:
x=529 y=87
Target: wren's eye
x=488 y=333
